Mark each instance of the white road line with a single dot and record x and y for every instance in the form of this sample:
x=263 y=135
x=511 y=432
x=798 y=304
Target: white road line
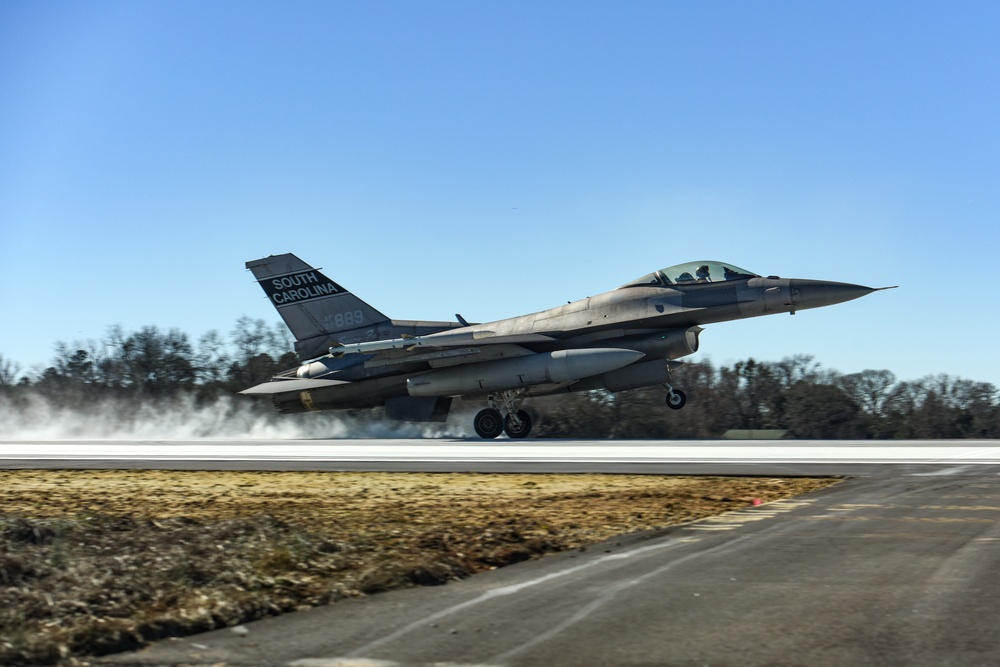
x=511 y=590
x=606 y=596
x=942 y=473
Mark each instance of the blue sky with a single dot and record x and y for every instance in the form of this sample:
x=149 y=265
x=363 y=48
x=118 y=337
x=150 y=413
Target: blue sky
x=500 y=158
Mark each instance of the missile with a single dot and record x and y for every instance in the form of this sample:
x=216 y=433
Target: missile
x=435 y=340
x=541 y=368
x=410 y=342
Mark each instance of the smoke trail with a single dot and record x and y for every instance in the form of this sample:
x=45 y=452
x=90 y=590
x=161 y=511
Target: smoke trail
x=30 y=416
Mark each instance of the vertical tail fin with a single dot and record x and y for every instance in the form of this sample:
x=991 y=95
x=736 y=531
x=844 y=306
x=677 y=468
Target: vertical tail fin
x=316 y=310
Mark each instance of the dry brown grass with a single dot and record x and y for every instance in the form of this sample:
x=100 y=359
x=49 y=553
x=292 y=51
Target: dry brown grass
x=93 y=562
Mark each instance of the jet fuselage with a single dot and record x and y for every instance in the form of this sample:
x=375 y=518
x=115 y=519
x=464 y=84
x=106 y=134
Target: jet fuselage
x=627 y=338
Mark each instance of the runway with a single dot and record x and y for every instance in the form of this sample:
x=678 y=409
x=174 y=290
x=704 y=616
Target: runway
x=763 y=457
x=897 y=565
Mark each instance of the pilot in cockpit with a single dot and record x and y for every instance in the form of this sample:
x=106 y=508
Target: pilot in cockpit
x=702 y=274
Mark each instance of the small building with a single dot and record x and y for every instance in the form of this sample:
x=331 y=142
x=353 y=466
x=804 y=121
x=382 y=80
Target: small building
x=755 y=434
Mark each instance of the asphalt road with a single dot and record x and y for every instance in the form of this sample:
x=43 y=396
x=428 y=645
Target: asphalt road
x=898 y=565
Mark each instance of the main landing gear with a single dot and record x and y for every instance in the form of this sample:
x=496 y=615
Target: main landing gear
x=503 y=416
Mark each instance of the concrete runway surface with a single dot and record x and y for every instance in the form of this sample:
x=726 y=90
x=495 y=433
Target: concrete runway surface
x=764 y=457
x=898 y=565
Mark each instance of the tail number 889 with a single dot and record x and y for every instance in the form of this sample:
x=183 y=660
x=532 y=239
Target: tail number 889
x=352 y=318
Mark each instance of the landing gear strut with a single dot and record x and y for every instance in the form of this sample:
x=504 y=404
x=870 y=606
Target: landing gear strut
x=676 y=399
x=514 y=422
x=517 y=424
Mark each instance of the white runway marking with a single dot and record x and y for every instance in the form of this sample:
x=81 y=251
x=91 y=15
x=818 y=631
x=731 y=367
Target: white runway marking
x=511 y=590
x=961 y=452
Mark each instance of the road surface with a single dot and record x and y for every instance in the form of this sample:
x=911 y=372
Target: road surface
x=898 y=565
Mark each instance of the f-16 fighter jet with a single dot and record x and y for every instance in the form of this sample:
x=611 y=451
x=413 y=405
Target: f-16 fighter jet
x=355 y=357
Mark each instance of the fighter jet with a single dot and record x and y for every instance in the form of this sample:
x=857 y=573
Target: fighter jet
x=355 y=357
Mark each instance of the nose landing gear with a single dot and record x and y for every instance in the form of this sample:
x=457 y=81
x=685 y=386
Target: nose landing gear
x=676 y=399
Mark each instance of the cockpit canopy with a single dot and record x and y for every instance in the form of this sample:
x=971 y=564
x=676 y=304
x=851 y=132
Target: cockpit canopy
x=692 y=273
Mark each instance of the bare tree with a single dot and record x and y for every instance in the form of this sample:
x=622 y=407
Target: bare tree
x=870 y=389
x=9 y=372
x=212 y=358
x=823 y=411
x=796 y=368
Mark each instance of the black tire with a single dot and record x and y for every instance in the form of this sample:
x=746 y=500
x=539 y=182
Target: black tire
x=511 y=428
x=488 y=423
x=676 y=399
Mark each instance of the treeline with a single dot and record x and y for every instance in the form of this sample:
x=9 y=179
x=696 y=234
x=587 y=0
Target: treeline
x=794 y=394
x=155 y=363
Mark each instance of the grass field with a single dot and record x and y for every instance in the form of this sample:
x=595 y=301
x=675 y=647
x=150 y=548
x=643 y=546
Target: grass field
x=94 y=562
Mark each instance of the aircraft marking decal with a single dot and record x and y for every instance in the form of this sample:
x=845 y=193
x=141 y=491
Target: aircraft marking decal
x=299 y=287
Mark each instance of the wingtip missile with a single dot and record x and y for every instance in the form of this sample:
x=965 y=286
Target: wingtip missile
x=410 y=342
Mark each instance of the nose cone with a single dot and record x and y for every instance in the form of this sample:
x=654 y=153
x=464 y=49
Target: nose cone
x=819 y=293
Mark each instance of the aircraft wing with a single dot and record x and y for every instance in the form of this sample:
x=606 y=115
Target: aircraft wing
x=444 y=349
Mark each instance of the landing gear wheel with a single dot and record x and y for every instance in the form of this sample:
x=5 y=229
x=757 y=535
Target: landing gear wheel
x=676 y=399
x=515 y=430
x=488 y=423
